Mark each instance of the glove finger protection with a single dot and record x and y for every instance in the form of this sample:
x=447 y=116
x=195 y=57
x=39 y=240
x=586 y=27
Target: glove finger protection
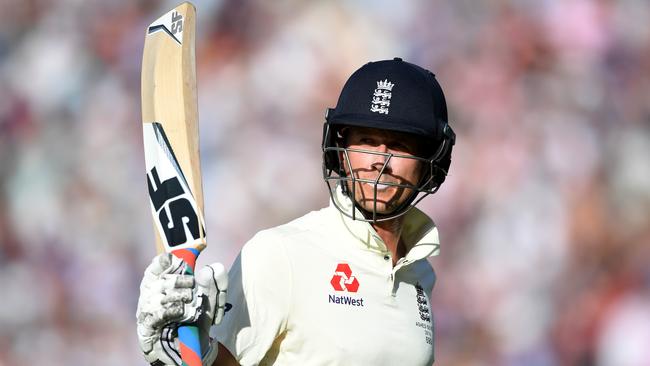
x=169 y=298
x=212 y=283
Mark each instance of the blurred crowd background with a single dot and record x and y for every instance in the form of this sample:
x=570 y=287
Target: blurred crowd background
x=544 y=218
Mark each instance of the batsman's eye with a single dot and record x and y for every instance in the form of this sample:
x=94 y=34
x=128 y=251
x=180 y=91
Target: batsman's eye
x=368 y=141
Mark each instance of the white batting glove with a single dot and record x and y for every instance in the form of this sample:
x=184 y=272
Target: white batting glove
x=168 y=299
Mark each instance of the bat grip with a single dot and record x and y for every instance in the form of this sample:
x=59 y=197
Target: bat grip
x=188 y=335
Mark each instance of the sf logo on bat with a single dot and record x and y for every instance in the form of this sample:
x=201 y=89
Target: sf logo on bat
x=176 y=214
x=175 y=211
x=171 y=23
x=177 y=23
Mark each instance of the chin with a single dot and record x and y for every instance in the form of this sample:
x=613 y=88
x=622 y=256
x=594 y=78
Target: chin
x=382 y=207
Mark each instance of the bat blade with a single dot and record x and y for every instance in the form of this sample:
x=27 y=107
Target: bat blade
x=170 y=128
x=171 y=144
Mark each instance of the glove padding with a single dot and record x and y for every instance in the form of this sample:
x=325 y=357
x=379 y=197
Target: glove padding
x=169 y=298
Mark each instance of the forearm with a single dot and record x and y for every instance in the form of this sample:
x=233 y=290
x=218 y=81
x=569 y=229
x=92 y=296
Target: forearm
x=225 y=358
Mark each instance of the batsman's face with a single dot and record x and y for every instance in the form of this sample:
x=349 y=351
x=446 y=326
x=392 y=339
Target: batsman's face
x=377 y=159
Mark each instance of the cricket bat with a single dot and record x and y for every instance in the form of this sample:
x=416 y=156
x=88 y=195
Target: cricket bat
x=171 y=145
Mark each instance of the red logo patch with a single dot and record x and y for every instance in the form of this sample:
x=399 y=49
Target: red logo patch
x=343 y=280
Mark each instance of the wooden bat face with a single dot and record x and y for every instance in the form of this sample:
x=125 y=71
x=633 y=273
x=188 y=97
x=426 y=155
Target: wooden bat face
x=171 y=144
x=170 y=128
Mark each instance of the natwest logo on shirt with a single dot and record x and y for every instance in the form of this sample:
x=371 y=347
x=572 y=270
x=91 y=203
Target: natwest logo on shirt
x=343 y=280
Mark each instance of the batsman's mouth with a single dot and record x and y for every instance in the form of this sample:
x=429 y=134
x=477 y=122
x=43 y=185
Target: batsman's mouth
x=381 y=186
x=383 y=194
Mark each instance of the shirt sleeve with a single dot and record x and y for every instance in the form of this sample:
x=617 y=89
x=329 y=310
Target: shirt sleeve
x=259 y=290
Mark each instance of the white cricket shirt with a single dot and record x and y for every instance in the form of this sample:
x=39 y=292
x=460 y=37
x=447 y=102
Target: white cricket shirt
x=321 y=290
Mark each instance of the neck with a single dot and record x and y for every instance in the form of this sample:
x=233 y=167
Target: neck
x=390 y=232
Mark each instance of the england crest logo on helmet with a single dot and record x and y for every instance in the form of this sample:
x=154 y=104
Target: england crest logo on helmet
x=381 y=97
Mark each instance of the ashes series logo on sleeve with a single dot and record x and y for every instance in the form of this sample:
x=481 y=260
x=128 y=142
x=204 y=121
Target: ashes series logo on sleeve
x=176 y=214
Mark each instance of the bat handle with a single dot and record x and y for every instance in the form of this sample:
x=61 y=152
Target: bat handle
x=188 y=335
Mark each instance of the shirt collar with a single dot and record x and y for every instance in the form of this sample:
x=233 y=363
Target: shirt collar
x=419 y=232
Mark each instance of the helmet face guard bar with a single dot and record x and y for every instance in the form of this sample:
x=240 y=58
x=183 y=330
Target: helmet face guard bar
x=335 y=175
